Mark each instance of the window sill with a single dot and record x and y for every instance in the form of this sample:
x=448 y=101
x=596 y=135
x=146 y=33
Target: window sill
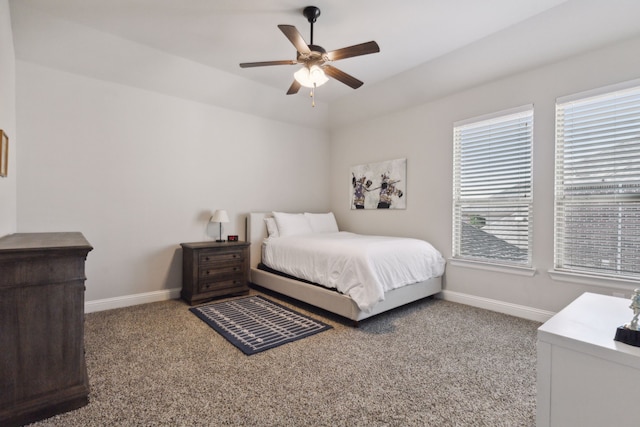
x=593 y=280
x=500 y=268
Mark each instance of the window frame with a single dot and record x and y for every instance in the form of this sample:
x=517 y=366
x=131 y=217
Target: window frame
x=561 y=269
x=516 y=266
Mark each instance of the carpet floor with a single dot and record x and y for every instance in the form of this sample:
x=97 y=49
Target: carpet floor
x=430 y=363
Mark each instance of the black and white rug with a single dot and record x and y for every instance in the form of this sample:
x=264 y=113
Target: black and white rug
x=255 y=324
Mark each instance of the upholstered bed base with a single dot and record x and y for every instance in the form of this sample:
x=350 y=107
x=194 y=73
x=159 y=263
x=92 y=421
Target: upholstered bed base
x=318 y=296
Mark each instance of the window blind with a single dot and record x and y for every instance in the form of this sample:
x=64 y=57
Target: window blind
x=492 y=212
x=597 y=185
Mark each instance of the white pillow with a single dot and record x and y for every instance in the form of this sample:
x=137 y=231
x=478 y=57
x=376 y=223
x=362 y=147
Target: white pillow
x=322 y=223
x=292 y=224
x=272 y=227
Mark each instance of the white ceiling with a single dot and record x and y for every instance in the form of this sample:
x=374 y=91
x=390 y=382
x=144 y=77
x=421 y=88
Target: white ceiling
x=412 y=34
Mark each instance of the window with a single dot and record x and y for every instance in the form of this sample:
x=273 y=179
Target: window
x=597 y=194
x=492 y=195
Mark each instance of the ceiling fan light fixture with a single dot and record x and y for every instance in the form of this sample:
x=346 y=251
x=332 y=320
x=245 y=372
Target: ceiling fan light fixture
x=311 y=77
x=314 y=59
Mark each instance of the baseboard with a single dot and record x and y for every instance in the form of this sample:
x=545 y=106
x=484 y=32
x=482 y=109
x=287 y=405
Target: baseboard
x=522 y=311
x=129 y=300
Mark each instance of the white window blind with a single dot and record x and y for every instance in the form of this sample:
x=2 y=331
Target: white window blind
x=492 y=194
x=597 y=192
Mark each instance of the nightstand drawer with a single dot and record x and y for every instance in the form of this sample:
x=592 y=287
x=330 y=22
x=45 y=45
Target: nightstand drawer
x=221 y=273
x=220 y=285
x=217 y=258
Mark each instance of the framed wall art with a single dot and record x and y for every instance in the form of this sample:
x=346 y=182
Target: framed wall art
x=379 y=185
x=4 y=153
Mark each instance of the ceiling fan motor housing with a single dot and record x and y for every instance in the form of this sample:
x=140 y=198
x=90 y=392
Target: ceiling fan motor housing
x=317 y=56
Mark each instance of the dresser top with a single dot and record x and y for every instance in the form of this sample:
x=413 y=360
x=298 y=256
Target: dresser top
x=43 y=241
x=589 y=324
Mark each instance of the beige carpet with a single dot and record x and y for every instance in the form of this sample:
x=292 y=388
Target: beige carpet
x=431 y=363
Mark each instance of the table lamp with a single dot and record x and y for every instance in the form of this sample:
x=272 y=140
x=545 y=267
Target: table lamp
x=220 y=216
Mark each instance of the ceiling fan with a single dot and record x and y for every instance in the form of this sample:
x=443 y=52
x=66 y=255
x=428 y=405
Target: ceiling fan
x=315 y=59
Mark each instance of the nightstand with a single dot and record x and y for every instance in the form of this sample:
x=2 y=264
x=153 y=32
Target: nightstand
x=212 y=269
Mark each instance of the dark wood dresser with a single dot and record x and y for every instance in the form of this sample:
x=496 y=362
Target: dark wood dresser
x=42 y=362
x=212 y=269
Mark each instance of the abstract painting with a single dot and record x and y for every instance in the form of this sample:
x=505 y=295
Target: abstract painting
x=379 y=185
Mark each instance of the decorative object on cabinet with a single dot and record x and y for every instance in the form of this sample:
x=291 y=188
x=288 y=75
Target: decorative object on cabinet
x=42 y=367
x=213 y=269
x=232 y=238
x=629 y=333
x=220 y=216
x=4 y=153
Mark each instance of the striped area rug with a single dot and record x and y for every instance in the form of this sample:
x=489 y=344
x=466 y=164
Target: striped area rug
x=255 y=324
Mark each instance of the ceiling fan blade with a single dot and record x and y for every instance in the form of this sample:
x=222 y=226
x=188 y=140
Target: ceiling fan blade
x=355 y=50
x=263 y=64
x=294 y=88
x=342 y=76
x=295 y=38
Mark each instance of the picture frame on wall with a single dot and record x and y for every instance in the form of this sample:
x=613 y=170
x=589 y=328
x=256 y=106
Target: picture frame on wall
x=381 y=185
x=4 y=153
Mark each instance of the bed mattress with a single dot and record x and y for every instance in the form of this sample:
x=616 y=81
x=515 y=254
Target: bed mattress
x=362 y=267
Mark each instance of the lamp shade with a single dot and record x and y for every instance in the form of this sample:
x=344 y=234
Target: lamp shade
x=311 y=77
x=220 y=215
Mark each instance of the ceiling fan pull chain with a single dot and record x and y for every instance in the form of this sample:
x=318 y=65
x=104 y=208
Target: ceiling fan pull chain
x=313 y=95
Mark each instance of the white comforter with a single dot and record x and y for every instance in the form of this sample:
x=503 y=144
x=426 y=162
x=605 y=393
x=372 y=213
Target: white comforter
x=363 y=267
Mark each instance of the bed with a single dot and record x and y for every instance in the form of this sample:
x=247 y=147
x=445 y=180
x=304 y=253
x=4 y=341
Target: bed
x=323 y=297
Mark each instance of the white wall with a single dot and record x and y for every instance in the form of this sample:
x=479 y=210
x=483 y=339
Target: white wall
x=424 y=136
x=8 y=221
x=42 y=38
x=139 y=172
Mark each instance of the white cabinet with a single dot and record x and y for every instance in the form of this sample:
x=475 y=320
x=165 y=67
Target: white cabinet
x=584 y=377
